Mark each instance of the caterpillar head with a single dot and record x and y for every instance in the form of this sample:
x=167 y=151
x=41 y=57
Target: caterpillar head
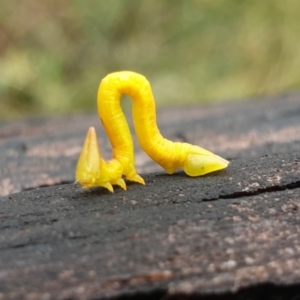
x=203 y=162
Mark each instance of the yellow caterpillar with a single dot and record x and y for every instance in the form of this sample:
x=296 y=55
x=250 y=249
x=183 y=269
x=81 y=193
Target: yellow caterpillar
x=93 y=171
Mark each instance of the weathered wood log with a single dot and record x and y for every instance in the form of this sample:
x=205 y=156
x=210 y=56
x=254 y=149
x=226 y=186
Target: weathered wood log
x=233 y=234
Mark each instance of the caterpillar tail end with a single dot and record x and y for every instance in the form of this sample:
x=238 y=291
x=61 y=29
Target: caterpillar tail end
x=89 y=171
x=197 y=164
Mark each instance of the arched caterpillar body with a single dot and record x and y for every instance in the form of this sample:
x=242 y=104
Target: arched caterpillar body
x=92 y=170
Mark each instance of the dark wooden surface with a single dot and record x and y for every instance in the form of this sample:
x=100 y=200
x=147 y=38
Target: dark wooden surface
x=233 y=234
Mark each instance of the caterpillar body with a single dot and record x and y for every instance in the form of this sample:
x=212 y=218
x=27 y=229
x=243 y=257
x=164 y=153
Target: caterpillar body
x=92 y=170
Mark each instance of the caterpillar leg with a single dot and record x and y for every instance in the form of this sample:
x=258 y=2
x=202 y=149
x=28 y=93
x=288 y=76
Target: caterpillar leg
x=120 y=182
x=115 y=170
x=135 y=178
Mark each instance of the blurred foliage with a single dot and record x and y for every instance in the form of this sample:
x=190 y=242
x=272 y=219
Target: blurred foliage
x=54 y=53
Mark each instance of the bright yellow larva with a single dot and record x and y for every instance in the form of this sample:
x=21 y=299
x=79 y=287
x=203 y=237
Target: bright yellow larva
x=92 y=170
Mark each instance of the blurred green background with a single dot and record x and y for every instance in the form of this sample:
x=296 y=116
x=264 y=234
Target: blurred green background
x=54 y=53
